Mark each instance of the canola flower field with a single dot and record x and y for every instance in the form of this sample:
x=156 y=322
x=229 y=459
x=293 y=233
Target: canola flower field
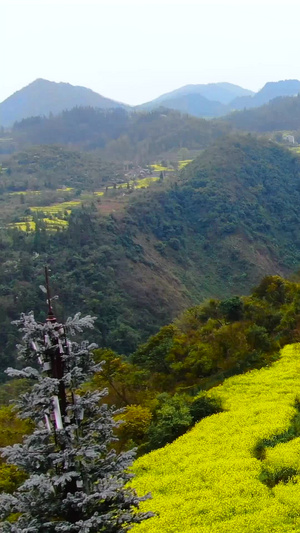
x=183 y=163
x=236 y=471
x=54 y=215
x=56 y=208
x=157 y=167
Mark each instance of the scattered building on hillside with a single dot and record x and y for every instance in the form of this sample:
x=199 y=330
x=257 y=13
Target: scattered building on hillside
x=288 y=138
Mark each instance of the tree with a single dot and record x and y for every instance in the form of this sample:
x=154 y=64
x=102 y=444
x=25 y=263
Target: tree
x=75 y=479
x=172 y=419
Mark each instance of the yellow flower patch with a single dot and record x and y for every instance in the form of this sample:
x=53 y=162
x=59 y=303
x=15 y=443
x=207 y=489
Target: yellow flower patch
x=56 y=208
x=182 y=164
x=212 y=479
x=156 y=167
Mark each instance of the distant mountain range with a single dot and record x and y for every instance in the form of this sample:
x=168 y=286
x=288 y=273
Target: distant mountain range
x=212 y=97
x=192 y=103
x=43 y=97
x=270 y=91
x=219 y=99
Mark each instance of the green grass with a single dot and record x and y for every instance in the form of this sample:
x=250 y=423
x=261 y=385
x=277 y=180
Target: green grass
x=237 y=471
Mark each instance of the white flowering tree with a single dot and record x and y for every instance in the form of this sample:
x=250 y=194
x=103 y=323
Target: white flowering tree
x=76 y=481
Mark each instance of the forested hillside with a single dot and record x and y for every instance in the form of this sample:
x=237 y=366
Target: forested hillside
x=280 y=114
x=121 y=136
x=158 y=385
x=50 y=167
x=237 y=201
x=230 y=218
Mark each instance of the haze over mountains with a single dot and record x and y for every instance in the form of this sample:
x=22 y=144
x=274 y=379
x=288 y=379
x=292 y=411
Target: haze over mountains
x=210 y=100
x=270 y=91
x=219 y=99
x=43 y=97
x=220 y=92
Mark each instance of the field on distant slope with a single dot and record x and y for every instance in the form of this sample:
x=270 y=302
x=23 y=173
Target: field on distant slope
x=54 y=216
x=237 y=471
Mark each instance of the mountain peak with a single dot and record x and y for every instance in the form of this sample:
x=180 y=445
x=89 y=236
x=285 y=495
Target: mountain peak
x=42 y=97
x=271 y=90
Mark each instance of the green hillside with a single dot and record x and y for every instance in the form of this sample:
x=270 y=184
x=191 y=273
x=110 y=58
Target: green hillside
x=121 y=136
x=280 y=114
x=219 y=337
x=52 y=167
x=238 y=470
x=137 y=260
x=231 y=218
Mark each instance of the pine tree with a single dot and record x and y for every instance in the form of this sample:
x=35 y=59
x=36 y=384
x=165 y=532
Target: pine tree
x=76 y=481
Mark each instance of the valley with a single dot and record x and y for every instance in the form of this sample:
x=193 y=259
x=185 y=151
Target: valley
x=181 y=237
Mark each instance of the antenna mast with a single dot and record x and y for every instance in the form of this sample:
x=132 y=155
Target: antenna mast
x=55 y=354
x=50 y=317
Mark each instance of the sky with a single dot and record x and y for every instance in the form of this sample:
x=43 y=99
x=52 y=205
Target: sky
x=135 y=50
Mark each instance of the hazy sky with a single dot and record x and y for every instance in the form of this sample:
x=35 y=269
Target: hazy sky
x=133 y=51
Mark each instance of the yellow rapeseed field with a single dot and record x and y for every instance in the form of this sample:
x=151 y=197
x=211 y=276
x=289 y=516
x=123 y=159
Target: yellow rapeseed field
x=213 y=479
x=183 y=163
x=157 y=167
x=56 y=208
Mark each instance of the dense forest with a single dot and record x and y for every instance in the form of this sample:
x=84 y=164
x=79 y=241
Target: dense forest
x=158 y=384
x=54 y=167
x=229 y=218
x=281 y=114
x=119 y=135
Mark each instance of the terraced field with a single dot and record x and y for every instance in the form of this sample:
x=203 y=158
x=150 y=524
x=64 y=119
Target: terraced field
x=55 y=216
x=182 y=164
